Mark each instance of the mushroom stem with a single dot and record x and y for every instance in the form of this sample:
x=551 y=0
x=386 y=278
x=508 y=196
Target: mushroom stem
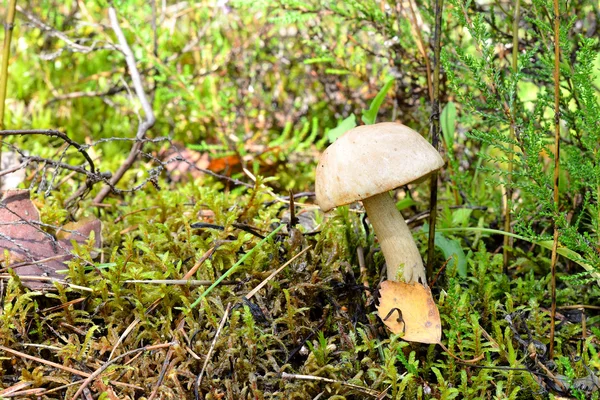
x=397 y=244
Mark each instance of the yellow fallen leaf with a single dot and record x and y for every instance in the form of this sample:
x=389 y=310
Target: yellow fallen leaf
x=410 y=309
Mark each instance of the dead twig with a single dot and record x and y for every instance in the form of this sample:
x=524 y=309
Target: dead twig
x=71 y=44
x=145 y=125
x=179 y=282
x=52 y=133
x=434 y=280
x=15 y=388
x=187 y=277
x=99 y=371
x=62 y=367
x=25 y=393
x=162 y=374
x=81 y=94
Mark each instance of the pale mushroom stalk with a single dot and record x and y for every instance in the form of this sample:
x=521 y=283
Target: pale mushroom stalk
x=397 y=244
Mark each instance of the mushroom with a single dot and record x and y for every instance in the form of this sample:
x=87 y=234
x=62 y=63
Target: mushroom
x=364 y=164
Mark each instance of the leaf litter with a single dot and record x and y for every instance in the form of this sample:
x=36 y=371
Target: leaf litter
x=32 y=251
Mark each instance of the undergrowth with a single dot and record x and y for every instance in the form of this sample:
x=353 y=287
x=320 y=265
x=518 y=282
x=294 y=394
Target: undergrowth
x=265 y=88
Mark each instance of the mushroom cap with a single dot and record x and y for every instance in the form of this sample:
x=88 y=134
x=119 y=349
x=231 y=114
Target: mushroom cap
x=372 y=159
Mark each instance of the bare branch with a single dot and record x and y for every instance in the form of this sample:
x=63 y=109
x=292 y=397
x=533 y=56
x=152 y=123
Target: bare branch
x=52 y=132
x=72 y=44
x=145 y=125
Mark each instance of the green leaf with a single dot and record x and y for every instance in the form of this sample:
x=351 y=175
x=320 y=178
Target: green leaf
x=335 y=71
x=460 y=217
x=452 y=248
x=448 y=123
x=370 y=115
x=318 y=60
x=342 y=128
x=547 y=244
x=405 y=203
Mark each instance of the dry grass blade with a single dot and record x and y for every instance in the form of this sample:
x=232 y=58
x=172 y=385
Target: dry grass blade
x=50 y=280
x=130 y=328
x=179 y=282
x=508 y=190
x=212 y=347
x=471 y=361
x=278 y=270
x=364 y=390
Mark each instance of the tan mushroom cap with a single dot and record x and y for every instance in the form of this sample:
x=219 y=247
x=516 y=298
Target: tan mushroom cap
x=372 y=159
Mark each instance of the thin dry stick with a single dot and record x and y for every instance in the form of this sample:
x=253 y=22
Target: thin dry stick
x=26 y=393
x=196 y=266
x=48 y=279
x=42 y=361
x=8 y=29
x=62 y=387
x=62 y=367
x=556 y=170
x=420 y=46
x=99 y=371
x=362 y=389
x=278 y=270
x=15 y=388
x=167 y=363
x=508 y=240
x=579 y=306
x=163 y=372
x=434 y=129
x=212 y=346
x=179 y=282
x=145 y=125
x=52 y=133
x=125 y=333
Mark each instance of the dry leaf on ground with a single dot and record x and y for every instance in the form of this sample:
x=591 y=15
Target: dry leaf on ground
x=34 y=252
x=410 y=308
x=179 y=169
